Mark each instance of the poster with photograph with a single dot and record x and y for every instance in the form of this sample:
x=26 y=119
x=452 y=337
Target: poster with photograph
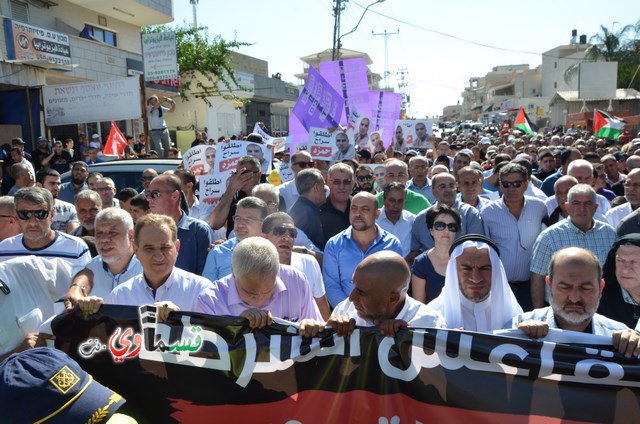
x=385 y=110
x=413 y=134
x=349 y=78
x=200 y=159
x=330 y=146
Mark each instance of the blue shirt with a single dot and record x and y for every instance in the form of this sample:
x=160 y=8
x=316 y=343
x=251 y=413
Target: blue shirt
x=341 y=257
x=218 y=262
x=514 y=237
x=549 y=182
x=306 y=216
x=598 y=239
x=195 y=238
x=426 y=191
x=470 y=221
x=68 y=191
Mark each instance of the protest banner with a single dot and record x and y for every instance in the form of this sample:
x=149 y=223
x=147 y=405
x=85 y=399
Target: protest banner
x=200 y=159
x=319 y=104
x=349 y=78
x=194 y=367
x=414 y=132
x=298 y=135
x=385 y=110
x=321 y=143
x=285 y=172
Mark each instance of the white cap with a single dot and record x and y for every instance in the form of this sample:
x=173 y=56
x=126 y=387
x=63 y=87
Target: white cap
x=95 y=135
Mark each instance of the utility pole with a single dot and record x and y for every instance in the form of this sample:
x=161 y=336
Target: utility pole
x=402 y=88
x=386 y=35
x=337 y=10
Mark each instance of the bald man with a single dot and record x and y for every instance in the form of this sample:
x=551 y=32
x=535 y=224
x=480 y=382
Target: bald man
x=575 y=285
x=379 y=298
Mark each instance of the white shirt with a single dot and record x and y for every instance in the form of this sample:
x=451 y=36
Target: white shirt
x=181 y=288
x=415 y=313
x=65 y=213
x=103 y=280
x=156 y=122
x=64 y=246
x=401 y=229
x=289 y=193
x=311 y=270
x=615 y=215
x=34 y=284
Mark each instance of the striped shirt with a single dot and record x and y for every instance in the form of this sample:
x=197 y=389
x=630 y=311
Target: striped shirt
x=514 y=238
x=64 y=246
x=598 y=239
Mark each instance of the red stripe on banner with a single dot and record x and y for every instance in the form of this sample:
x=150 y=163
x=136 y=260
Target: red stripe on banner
x=358 y=406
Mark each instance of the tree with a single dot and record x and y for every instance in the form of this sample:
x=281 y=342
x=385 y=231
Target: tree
x=206 y=66
x=612 y=46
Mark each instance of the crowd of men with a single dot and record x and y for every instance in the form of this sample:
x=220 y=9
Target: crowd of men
x=537 y=217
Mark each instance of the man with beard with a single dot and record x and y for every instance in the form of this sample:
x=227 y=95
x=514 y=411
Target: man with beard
x=422 y=137
x=114 y=264
x=575 y=283
x=35 y=210
x=347 y=249
x=88 y=203
x=344 y=149
x=364 y=180
x=79 y=175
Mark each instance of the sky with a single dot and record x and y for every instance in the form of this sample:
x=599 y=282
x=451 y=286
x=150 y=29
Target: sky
x=440 y=44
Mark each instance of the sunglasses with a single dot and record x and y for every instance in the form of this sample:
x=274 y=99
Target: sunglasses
x=507 y=184
x=157 y=193
x=289 y=231
x=304 y=164
x=364 y=177
x=27 y=215
x=440 y=226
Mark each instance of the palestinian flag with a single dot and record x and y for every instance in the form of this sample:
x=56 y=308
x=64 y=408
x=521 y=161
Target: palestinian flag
x=606 y=126
x=523 y=123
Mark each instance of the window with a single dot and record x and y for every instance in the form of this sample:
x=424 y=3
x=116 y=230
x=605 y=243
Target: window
x=555 y=84
x=100 y=34
x=555 y=65
x=19 y=11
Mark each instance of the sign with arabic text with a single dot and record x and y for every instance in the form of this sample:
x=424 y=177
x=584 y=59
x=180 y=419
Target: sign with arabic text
x=349 y=78
x=31 y=43
x=319 y=104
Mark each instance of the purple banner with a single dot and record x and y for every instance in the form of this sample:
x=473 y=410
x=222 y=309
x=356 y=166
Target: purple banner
x=385 y=110
x=319 y=104
x=298 y=135
x=349 y=78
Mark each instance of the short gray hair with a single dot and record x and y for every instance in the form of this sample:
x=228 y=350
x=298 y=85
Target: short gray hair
x=251 y=202
x=7 y=202
x=90 y=195
x=340 y=167
x=250 y=160
x=116 y=214
x=581 y=189
x=307 y=179
x=34 y=195
x=265 y=188
x=255 y=256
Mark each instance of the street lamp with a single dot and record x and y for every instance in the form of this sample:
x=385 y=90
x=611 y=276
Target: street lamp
x=338 y=45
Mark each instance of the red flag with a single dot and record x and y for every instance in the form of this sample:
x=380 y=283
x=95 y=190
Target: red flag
x=116 y=143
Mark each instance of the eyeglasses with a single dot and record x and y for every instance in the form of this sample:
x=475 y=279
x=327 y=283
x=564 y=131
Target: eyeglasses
x=516 y=184
x=364 y=177
x=440 y=226
x=272 y=204
x=143 y=178
x=341 y=182
x=27 y=215
x=281 y=231
x=239 y=218
x=304 y=164
x=156 y=193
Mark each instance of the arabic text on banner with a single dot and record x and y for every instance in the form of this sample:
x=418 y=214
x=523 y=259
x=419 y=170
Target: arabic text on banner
x=349 y=78
x=319 y=104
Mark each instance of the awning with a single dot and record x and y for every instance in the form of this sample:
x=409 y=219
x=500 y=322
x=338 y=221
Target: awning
x=17 y=74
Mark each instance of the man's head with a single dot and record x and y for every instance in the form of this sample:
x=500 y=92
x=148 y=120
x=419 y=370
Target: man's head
x=125 y=196
x=442 y=149
x=342 y=142
x=474 y=273
x=396 y=171
x=17 y=154
x=147 y=176
x=340 y=182
x=364 y=126
x=562 y=187
x=9 y=226
x=34 y=209
x=626 y=262
x=421 y=131
x=49 y=179
x=364 y=178
x=255 y=150
x=88 y=203
x=460 y=160
x=418 y=168
x=581 y=170
x=632 y=187
x=393 y=199
x=632 y=162
x=567 y=156
x=380 y=285
x=310 y=185
x=250 y=165
x=280 y=230
x=513 y=181
x=79 y=173
x=469 y=182
x=255 y=264
x=268 y=193
x=547 y=162
x=301 y=160
x=173 y=153
x=114 y=235
x=247 y=222
x=610 y=167
x=22 y=175
x=156 y=246
x=139 y=206
x=443 y=186
x=363 y=211
x=188 y=181
x=107 y=190
x=164 y=195
x=581 y=206
x=575 y=280
x=92 y=179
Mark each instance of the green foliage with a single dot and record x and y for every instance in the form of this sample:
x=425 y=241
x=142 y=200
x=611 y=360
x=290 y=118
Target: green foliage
x=206 y=66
